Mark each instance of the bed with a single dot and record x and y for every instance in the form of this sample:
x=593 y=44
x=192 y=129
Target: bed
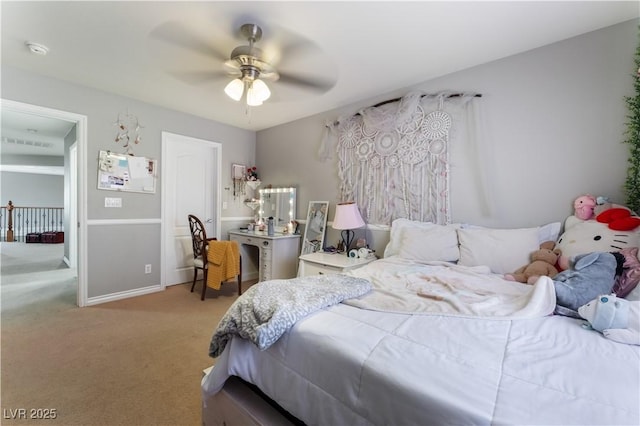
x=437 y=337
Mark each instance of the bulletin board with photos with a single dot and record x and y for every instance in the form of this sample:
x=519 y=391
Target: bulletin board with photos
x=121 y=172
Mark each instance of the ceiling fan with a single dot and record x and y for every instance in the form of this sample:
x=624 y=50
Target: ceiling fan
x=247 y=63
x=247 y=67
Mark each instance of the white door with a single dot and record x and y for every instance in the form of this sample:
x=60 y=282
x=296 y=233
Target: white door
x=190 y=186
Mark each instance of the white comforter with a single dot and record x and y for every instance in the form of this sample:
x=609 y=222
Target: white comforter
x=449 y=289
x=346 y=365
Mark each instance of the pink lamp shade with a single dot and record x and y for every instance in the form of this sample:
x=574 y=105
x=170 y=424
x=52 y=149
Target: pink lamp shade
x=347 y=218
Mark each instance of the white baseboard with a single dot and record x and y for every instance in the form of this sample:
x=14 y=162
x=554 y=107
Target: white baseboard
x=123 y=295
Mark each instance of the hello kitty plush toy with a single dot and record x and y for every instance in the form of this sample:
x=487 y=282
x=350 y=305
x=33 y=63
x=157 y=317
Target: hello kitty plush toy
x=588 y=236
x=584 y=206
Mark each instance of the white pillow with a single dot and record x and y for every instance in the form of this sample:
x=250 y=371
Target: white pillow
x=436 y=242
x=502 y=250
x=395 y=235
x=548 y=232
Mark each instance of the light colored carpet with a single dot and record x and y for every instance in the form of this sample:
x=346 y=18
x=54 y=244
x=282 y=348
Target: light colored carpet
x=136 y=361
x=21 y=258
x=31 y=273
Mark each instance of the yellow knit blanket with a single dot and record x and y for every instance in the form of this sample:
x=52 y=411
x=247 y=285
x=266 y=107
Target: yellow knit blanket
x=224 y=262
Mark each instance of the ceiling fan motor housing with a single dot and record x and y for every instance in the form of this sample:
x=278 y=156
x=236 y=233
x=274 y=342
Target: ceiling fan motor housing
x=250 y=72
x=252 y=32
x=249 y=60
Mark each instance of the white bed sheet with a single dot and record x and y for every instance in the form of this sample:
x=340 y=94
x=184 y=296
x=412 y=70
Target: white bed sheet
x=350 y=366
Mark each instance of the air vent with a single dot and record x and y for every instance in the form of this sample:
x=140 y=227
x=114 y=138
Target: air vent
x=25 y=142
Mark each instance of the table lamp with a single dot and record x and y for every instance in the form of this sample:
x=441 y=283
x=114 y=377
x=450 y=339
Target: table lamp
x=346 y=219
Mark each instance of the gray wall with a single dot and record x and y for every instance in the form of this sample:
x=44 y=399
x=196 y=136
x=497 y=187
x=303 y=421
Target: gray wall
x=554 y=117
x=34 y=160
x=32 y=190
x=118 y=268
x=106 y=240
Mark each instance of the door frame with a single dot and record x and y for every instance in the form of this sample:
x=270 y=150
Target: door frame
x=73 y=201
x=168 y=138
x=81 y=175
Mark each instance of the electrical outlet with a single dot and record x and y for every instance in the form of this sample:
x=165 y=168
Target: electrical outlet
x=225 y=205
x=147 y=269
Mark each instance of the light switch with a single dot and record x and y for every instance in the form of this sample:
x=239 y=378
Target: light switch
x=112 y=202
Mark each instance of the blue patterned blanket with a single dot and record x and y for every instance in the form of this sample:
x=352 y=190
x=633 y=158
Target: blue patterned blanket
x=268 y=309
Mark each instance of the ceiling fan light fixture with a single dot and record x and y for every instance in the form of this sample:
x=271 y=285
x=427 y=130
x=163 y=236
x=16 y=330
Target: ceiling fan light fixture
x=254 y=97
x=253 y=100
x=261 y=89
x=234 y=89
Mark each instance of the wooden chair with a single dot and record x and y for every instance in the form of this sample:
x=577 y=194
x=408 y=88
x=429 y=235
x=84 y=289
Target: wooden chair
x=200 y=243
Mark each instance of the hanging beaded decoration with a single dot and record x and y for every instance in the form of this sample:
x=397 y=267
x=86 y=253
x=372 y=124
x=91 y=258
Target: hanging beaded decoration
x=128 y=131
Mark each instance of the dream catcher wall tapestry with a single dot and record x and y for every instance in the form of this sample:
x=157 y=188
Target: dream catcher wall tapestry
x=393 y=159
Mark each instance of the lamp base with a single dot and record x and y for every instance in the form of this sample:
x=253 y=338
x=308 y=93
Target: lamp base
x=347 y=239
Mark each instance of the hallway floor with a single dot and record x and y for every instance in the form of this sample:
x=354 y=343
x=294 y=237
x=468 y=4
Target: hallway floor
x=34 y=272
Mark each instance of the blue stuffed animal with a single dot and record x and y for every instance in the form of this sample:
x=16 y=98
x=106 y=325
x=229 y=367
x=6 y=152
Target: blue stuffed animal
x=592 y=274
x=616 y=318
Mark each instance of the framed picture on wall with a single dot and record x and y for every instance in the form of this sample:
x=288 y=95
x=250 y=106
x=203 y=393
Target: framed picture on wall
x=314 y=230
x=237 y=171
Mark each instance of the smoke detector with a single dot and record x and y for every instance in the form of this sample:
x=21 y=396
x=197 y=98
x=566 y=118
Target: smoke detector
x=37 y=48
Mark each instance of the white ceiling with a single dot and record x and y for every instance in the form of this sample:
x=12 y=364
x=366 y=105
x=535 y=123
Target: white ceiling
x=27 y=134
x=367 y=48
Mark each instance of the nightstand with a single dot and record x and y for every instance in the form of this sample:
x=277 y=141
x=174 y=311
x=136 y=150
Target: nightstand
x=329 y=263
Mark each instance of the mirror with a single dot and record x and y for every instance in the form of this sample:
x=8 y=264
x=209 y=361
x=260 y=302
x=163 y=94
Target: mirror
x=279 y=203
x=313 y=240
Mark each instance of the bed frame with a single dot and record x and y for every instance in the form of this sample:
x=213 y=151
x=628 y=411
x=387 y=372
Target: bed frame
x=242 y=404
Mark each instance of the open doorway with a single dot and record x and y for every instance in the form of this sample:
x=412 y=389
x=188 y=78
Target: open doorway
x=74 y=171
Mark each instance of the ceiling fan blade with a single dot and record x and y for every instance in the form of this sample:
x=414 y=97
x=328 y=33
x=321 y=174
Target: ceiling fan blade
x=297 y=48
x=315 y=84
x=280 y=45
x=177 y=34
x=201 y=77
x=231 y=66
x=270 y=75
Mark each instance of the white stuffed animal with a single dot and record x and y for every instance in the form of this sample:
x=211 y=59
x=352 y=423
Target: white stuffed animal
x=616 y=318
